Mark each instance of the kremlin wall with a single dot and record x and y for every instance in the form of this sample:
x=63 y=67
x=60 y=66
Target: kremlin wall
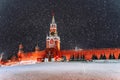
x=53 y=52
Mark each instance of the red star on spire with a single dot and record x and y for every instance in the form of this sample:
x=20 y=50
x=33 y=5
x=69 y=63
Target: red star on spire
x=53 y=13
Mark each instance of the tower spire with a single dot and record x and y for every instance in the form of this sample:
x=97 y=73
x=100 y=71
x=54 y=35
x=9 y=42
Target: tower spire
x=53 y=18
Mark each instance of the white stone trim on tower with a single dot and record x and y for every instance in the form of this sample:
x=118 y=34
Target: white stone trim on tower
x=53 y=40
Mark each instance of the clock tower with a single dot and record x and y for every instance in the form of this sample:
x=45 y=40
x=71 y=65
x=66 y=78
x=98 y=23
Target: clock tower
x=53 y=40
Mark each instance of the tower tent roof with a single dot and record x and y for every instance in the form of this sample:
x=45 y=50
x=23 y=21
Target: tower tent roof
x=53 y=19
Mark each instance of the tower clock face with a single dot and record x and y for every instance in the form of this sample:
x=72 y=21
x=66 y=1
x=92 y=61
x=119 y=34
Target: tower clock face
x=52 y=33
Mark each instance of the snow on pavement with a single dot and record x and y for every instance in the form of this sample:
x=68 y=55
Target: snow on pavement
x=62 y=71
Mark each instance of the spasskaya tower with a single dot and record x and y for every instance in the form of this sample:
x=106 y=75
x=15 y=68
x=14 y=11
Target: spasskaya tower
x=53 y=40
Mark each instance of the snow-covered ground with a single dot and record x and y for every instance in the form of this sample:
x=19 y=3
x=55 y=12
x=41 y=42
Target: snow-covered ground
x=62 y=71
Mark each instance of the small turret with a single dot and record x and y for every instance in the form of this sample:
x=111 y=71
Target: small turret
x=1 y=56
x=20 y=48
x=37 y=48
x=20 y=52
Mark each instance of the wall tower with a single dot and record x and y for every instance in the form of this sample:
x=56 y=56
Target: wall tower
x=53 y=40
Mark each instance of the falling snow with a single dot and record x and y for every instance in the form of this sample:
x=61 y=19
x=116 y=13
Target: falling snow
x=82 y=23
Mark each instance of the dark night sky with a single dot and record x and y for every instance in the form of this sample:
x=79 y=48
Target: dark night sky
x=83 y=23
